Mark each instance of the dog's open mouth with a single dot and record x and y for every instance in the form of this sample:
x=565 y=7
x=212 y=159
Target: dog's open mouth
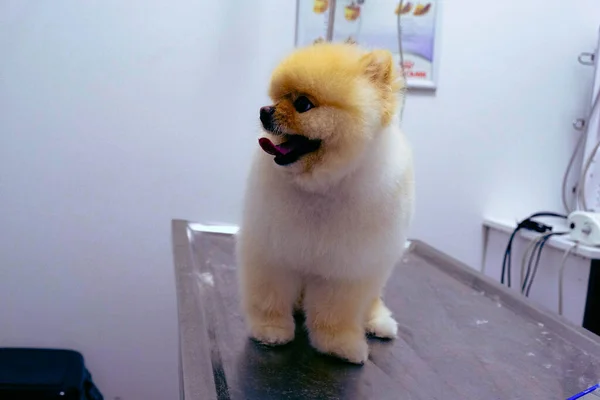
x=289 y=151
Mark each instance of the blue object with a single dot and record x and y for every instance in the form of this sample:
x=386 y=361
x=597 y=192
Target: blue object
x=585 y=392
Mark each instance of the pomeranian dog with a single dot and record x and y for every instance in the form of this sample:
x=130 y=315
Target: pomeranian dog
x=328 y=202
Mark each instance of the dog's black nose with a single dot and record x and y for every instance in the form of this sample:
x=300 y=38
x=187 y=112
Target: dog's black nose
x=266 y=114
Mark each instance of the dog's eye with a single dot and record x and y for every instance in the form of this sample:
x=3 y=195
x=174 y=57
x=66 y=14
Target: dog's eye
x=303 y=104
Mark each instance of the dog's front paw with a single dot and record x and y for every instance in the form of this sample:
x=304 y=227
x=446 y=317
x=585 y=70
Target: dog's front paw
x=347 y=345
x=273 y=333
x=383 y=326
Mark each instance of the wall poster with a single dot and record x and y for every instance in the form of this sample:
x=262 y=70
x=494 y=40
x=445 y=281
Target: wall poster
x=374 y=24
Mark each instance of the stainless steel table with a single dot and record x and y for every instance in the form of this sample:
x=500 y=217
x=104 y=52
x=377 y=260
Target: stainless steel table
x=462 y=336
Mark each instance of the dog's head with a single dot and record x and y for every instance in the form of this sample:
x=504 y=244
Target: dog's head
x=329 y=102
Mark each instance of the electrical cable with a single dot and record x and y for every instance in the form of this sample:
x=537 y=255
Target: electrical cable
x=566 y=175
x=506 y=261
x=581 y=185
x=535 y=251
x=561 y=271
x=537 y=261
x=581 y=192
x=580 y=141
x=526 y=255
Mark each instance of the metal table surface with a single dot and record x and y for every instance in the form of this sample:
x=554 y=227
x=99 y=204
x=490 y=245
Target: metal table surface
x=461 y=336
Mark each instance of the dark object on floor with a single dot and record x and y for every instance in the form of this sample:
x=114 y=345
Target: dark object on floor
x=461 y=336
x=45 y=374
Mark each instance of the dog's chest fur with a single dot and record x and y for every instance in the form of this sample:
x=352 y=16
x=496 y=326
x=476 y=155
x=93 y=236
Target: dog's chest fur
x=354 y=229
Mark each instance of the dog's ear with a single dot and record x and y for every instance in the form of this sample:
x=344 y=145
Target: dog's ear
x=378 y=66
x=350 y=40
x=319 y=40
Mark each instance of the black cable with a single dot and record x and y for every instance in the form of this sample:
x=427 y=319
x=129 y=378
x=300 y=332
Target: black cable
x=542 y=243
x=527 y=285
x=507 y=262
x=538 y=242
x=507 y=254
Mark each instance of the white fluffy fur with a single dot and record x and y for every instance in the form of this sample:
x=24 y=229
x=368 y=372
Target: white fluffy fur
x=336 y=247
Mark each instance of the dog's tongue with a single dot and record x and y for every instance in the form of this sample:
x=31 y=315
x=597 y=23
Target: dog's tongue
x=273 y=149
x=289 y=151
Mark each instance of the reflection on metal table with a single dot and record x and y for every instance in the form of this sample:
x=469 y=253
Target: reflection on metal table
x=461 y=336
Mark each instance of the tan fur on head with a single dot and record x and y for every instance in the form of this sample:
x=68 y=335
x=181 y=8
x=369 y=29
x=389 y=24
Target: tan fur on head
x=355 y=94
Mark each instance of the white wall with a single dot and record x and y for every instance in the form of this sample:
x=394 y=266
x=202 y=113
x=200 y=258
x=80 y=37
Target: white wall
x=496 y=137
x=117 y=116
